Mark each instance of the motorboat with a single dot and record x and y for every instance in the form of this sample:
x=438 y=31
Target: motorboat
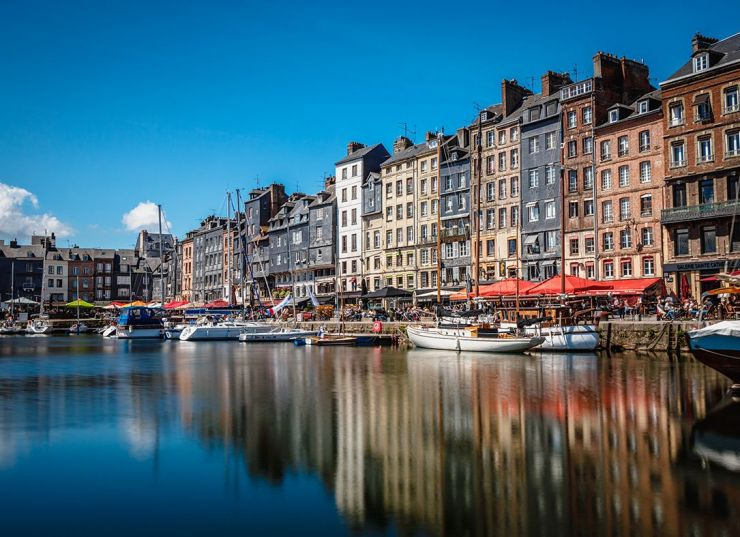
x=139 y=323
x=11 y=330
x=173 y=331
x=223 y=330
x=470 y=339
x=109 y=331
x=79 y=328
x=718 y=346
x=278 y=334
x=38 y=326
x=329 y=341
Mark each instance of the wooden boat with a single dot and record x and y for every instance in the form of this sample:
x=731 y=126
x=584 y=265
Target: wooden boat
x=718 y=346
x=277 y=335
x=326 y=341
x=468 y=339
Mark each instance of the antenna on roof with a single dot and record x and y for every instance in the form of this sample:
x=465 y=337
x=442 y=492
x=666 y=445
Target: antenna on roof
x=477 y=106
x=408 y=131
x=575 y=72
x=531 y=83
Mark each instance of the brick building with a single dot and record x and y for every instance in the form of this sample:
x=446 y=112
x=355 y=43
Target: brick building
x=702 y=153
x=629 y=189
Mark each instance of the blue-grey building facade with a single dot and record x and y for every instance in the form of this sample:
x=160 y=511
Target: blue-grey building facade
x=455 y=212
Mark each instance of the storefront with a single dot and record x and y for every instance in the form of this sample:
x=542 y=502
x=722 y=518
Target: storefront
x=692 y=278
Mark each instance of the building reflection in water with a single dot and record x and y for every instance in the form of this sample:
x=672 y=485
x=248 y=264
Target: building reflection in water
x=427 y=441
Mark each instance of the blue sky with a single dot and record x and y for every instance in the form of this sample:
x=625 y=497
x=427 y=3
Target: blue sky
x=106 y=105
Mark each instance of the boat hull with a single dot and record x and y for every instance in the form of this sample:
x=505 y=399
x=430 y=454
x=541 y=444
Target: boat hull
x=124 y=332
x=110 y=331
x=206 y=333
x=579 y=338
x=721 y=353
x=274 y=336
x=457 y=340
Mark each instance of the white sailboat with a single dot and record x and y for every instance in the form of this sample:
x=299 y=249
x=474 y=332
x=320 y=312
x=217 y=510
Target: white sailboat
x=468 y=339
x=275 y=335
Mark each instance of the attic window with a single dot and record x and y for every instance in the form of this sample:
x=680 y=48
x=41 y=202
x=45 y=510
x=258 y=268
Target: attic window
x=484 y=116
x=701 y=62
x=453 y=156
x=642 y=107
x=613 y=116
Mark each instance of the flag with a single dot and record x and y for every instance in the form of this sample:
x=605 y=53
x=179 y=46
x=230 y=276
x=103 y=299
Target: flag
x=312 y=296
x=284 y=302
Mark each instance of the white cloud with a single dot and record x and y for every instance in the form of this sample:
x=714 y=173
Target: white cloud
x=15 y=222
x=144 y=215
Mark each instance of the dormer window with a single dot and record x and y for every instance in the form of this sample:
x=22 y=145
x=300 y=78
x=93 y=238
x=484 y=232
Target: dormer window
x=701 y=62
x=642 y=107
x=453 y=156
x=484 y=116
x=613 y=116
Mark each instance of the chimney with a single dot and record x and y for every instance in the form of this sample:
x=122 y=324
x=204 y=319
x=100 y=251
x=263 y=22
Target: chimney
x=430 y=136
x=14 y=243
x=636 y=79
x=608 y=68
x=329 y=181
x=552 y=82
x=701 y=42
x=512 y=95
x=463 y=137
x=354 y=146
x=401 y=144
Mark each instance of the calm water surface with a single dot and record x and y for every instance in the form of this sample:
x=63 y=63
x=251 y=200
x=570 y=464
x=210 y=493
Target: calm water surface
x=106 y=437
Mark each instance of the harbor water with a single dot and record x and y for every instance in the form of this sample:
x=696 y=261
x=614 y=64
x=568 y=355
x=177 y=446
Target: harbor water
x=108 y=437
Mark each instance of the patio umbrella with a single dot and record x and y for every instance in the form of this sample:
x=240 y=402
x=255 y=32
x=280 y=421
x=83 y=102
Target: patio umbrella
x=573 y=285
x=507 y=287
x=685 y=288
x=217 y=304
x=135 y=304
x=22 y=300
x=388 y=292
x=79 y=304
x=724 y=291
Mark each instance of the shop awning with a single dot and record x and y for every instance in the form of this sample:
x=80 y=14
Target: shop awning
x=530 y=240
x=635 y=286
x=175 y=304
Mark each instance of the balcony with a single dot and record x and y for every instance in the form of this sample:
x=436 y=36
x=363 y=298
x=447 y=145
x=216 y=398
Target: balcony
x=699 y=212
x=456 y=232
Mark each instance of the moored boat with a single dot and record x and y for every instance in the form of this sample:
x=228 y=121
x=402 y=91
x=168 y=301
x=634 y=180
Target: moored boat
x=109 y=331
x=222 y=330
x=38 y=326
x=79 y=328
x=279 y=334
x=468 y=339
x=718 y=346
x=139 y=323
x=328 y=341
x=11 y=330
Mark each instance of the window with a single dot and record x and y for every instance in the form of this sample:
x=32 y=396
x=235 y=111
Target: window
x=701 y=62
x=588 y=207
x=549 y=210
x=703 y=108
x=550 y=175
x=608 y=269
x=551 y=241
x=513 y=134
x=490 y=191
x=626 y=265
x=409 y=234
x=588 y=178
x=354 y=217
x=573 y=209
x=681 y=242
x=434 y=163
x=590 y=245
x=534 y=113
x=533 y=213
x=648 y=266
x=423 y=185
x=587 y=114
x=502 y=218
x=572 y=181
x=679 y=195
x=463 y=180
x=354 y=244
x=448 y=204
x=435 y=204
x=399 y=236
x=434 y=184
x=409 y=186
x=512 y=247
x=448 y=183
x=644 y=141
x=572 y=119
x=608 y=241
x=534 y=144
x=705 y=149
x=502 y=161
x=646 y=236
x=588 y=145
x=624 y=176
x=344 y=247
x=399 y=212
x=489 y=247
x=514 y=216
x=646 y=205
x=606 y=151
x=424 y=163
x=642 y=107
x=490 y=218
x=514 y=159
x=376 y=239
x=344 y=194
x=675 y=114
x=732 y=143
x=572 y=149
x=606 y=179
x=646 y=172
x=709 y=240
x=606 y=212
x=409 y=210
x=489 y=165
x=399 y=188
x=573 y=246
x=514 y=186
x=623 y=147
x=534 y=178
x=389 y=238
x=625 y=238
x=388 y=214
x=388 y=190
x=706 y=191
x=490 y=139
x=731 y=100
x=550 y=140
x=502 y=189
x=344 y=173
x=624 y=209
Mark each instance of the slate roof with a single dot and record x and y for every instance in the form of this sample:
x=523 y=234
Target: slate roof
x=358 y=154
x=414 y=151
x=631 y=109
x=727 y=50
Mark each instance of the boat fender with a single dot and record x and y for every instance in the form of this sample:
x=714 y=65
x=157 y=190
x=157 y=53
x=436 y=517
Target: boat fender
x=378 y=327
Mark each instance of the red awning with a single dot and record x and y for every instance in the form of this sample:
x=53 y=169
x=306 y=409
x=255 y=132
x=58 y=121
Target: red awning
x=573 y=286
x=217 y=304
x=507 y=287
x=175 y=304
x=713 y=278
x=635 y=286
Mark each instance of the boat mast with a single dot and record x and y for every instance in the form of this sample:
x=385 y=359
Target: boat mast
x=161 y=258
x=228 y=247
x=477 y=218
x=439 y=219
x=12 y=289
x=290 y=268
x=243 y=242
x=78 y=303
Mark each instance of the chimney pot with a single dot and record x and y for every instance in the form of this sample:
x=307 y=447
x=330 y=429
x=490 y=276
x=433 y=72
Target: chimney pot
x=354 y=146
